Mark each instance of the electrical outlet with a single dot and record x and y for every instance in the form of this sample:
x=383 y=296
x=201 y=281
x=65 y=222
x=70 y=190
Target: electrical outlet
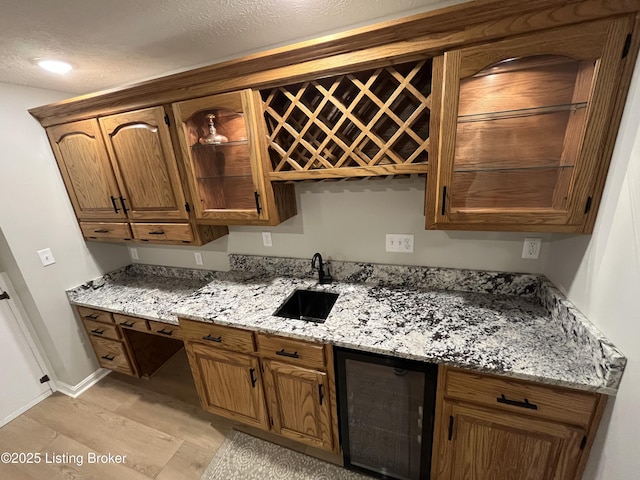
x=266 y=239
x=133 y=252
x=399 y=243
x=531 y=248
x=198 y=257
x=46 y=257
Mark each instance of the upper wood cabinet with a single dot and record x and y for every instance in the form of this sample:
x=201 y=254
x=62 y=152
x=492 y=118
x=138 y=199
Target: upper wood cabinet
x=518 y=128
x=223 y=142
x=86 y=170
x=123 y=179
x=140 y=146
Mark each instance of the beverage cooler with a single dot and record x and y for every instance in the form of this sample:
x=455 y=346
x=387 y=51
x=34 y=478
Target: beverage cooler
x=386 y=414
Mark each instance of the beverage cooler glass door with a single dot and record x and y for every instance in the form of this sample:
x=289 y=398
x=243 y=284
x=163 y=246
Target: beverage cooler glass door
x=386 y=414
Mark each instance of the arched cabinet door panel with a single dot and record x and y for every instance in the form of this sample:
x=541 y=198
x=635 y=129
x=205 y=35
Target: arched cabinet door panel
x=86 y=170
x=520 y=125
x=140 y=147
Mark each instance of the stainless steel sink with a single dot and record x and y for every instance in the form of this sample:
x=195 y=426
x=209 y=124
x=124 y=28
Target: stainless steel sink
x=308 y=305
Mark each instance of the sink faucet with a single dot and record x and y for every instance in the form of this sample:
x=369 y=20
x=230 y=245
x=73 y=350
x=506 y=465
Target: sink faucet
x=323 y=278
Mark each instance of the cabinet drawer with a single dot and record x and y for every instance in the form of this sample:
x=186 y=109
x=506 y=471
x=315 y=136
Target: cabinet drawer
x=166 y=329
x=95 y=315
x=100 y=329
x=513 y=395
x=132 y=323
x=99 y=230
x=291 y=351
x=173 y=232
x=112 y=354
x=216 y=335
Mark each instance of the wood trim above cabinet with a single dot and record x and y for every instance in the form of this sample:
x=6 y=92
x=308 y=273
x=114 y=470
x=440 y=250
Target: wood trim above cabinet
x=424 y=34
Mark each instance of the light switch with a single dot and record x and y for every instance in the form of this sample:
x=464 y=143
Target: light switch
x=46 y=257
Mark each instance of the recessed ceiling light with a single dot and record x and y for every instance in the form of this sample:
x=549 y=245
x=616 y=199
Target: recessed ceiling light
x=54 y=66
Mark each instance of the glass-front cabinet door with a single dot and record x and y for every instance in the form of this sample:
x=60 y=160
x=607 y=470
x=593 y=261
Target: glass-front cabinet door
x=519 y=129
x=221 y=142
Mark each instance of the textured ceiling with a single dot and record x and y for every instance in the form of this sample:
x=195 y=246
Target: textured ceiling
x=117 y=42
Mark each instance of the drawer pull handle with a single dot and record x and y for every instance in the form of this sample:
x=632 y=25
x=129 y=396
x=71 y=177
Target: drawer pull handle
x=212 y=339
x=93 y=316
x=157 y=232
x=320 y=394
x=287 y=354
x=252 y=374
x=101 y=230
x=127 y=324
x=109 y=358
x=516 y=403
x=165 y=332
x=98 y=331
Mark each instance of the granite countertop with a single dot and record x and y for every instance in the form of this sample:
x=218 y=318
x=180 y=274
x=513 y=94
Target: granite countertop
x=516 y=325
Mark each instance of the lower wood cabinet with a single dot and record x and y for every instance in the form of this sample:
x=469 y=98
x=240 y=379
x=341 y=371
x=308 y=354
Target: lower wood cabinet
x=130 y=345
x=496 y=428
x=298 y=400
x=229 y=384
x=274 y=383
x=113 y=355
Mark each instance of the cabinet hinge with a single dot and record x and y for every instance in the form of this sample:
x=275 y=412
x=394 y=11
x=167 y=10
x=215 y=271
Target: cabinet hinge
x=4 y=296
x=187 y=207
x=587 y=207
x=166 y=119
x=627 y=46
x=583 y=443
x=450 y=427
x=271 y=420
x=257 y=202
x=44 y=379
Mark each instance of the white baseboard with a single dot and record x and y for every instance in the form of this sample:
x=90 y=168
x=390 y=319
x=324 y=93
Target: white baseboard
x=24 y=408
x=74 y=391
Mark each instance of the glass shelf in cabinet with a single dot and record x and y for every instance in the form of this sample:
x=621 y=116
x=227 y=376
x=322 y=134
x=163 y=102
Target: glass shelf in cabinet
x=211 y=177
x=512 y=169
x=223 y=144
x=524 y=112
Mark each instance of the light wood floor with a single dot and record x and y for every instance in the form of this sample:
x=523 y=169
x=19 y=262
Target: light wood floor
x=157 y=423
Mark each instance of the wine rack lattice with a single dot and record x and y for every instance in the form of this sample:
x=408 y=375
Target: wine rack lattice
x=363 y=124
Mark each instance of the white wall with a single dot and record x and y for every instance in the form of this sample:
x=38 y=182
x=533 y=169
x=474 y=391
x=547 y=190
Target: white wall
x=349 y=220
x=35 y=214
x=601 y=275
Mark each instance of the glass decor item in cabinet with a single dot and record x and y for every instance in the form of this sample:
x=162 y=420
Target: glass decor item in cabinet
x=520 y=125
x=225 y=150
